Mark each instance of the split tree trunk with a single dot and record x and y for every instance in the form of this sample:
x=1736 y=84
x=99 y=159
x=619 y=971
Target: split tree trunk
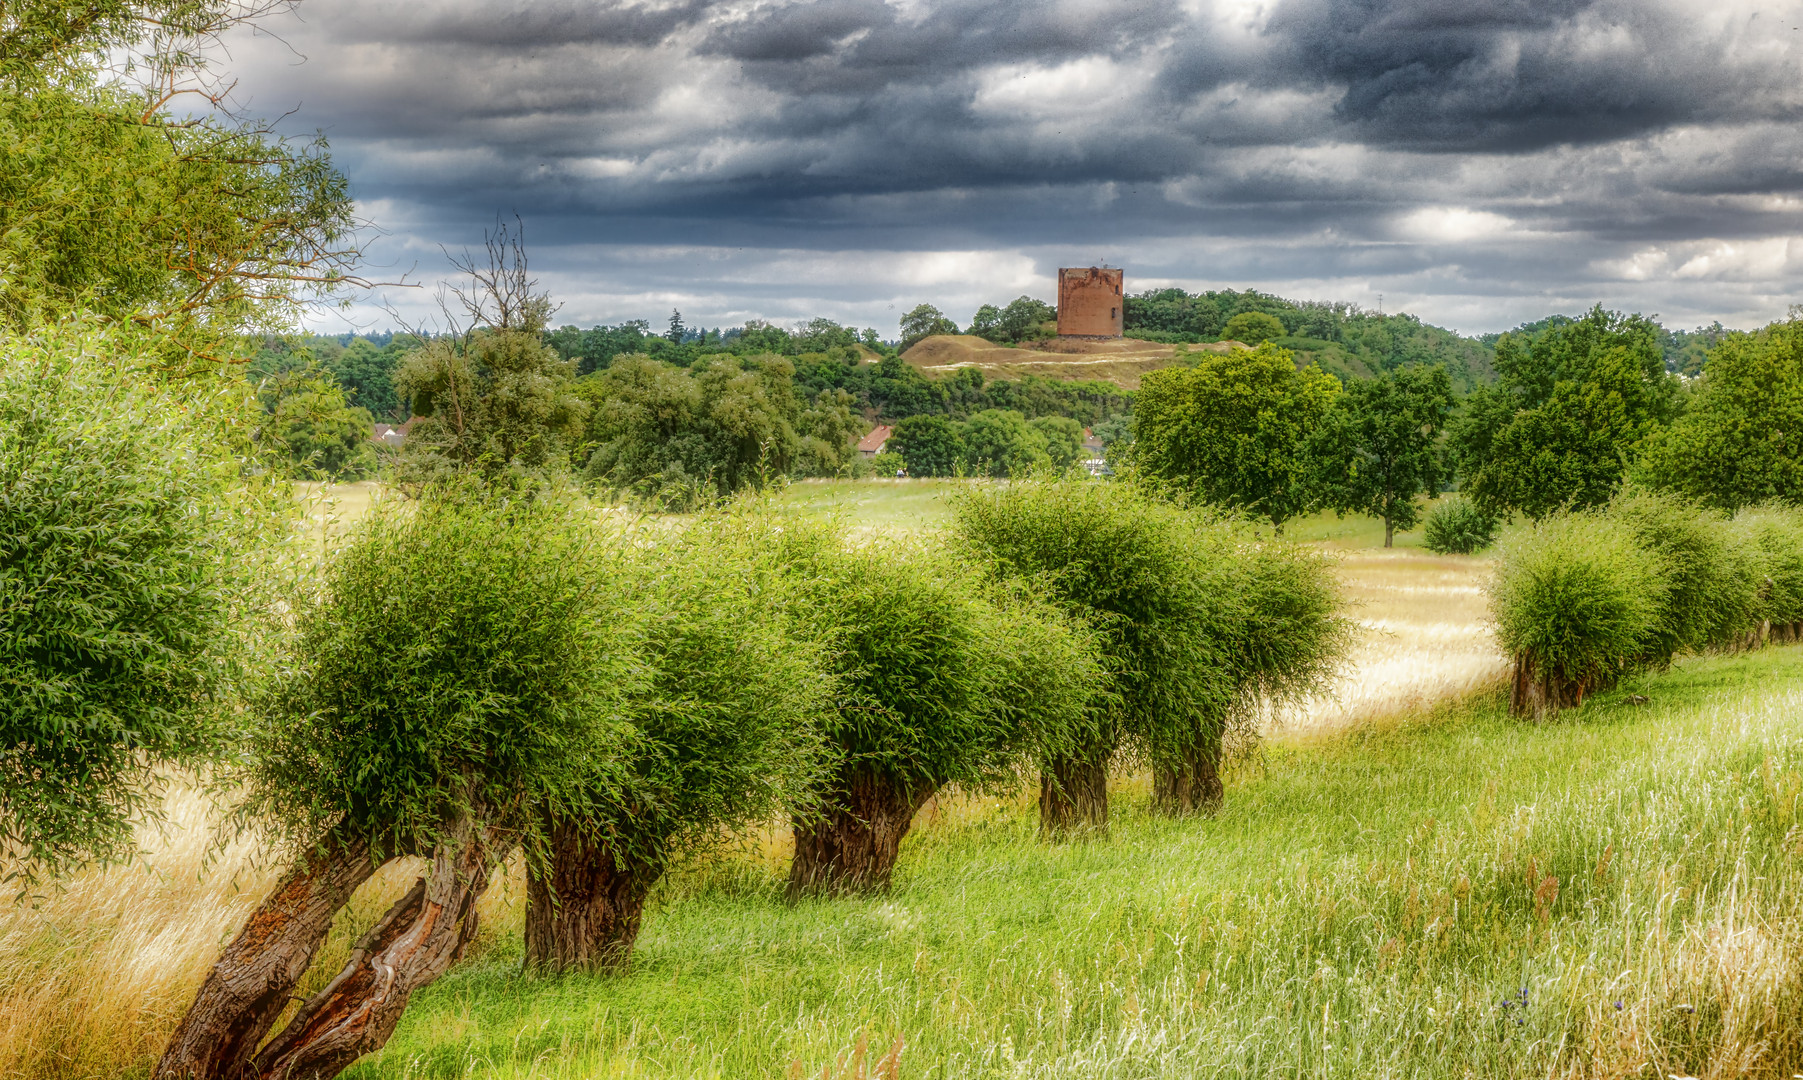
x=587 y=914
x=253 y=979
x=419 y=938
x=1192 y=785
x=1073 y=795
x=854 y=846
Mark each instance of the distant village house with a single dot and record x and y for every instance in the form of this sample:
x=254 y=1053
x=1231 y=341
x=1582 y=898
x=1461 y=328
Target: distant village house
x=872 y=444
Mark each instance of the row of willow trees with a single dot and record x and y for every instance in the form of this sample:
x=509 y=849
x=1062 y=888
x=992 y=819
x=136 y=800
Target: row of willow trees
x=493 y=665
x=489 y=669
x=1583 y=598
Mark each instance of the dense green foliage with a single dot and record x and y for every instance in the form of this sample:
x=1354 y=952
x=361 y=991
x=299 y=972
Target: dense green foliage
x=1342 y=338
x=924 y=321
x=724 y=729
x=1024 y=319
x=493 y=400
x=1570 y=409
x=130 y=551
x=115 y=199
x=1711 y=582
x=1200 y=626
x=1576 y=599
x=1457 y=526
x=1234 y=430
x=678 y=435
x=1253 y=328
x=941 y=679
x=1380 y=447
x=309 y=426
x=1739 y=440
x=465 y=654
x=1774 y=534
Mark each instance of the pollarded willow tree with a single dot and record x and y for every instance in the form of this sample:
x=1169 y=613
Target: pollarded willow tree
x=461 y=665
x=1200 y=625
x=133 y=554
x=942 y=681
x=724 y=732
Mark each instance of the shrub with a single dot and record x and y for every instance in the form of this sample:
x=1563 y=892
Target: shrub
x=1774 y=535
x=1457 y=526
x=941 y=682
x=1576 y=599
x=130 y=551
x=725 y=733
x=1711 y=579
x=461 y=663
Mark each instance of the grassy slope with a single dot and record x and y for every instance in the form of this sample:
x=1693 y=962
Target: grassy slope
x=1361 y=908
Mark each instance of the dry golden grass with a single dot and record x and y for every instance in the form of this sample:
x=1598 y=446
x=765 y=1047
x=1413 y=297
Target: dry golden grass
x=1424 y=636
x=93 y=977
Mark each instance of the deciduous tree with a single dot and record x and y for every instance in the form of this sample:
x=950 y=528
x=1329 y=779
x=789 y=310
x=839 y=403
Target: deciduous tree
x=1233 y=430
x=1381 y=449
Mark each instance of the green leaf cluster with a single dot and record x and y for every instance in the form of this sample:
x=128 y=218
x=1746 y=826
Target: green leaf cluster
x=1571 y=410
x=942 y=679
x=1582 y=597
x=204 y=225
x=725 y=728
x=1739 y=440
x=1198 y=623
x=1234 y=430
x=1456 y=526
x=493 y=401
x=132 y=550
x=1380 y=448
x=994 y=442
x=468 y=653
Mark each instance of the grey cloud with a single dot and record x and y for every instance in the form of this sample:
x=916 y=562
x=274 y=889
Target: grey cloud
x=1279 y=148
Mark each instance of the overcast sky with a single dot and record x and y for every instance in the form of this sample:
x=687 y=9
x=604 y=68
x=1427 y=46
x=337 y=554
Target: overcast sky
x=1475 y=162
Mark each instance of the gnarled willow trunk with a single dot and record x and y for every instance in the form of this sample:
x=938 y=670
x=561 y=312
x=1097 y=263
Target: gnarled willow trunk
x=1192 y=784
x=254 y=978
x=854 y=846
x=586 y=914
x=1540 y=694
x=420 y=937
x=1073 y=794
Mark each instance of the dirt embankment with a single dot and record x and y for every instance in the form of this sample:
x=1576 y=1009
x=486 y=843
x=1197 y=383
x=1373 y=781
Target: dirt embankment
x=1119 y=360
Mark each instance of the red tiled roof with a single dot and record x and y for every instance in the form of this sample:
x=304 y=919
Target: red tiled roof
x=873 y=442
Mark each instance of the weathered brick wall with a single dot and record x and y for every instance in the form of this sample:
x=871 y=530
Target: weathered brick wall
x=1089 y=302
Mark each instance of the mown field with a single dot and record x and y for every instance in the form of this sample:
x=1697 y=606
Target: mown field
x=1404 y=881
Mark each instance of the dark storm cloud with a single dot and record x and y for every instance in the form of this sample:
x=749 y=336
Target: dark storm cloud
x=1514 y=149
x=1512 y=76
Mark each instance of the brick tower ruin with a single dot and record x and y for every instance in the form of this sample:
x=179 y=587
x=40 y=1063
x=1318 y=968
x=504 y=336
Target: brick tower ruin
x=1090 y=302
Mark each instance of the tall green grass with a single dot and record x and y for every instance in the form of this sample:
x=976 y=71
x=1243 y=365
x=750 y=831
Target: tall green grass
x=1613 y=894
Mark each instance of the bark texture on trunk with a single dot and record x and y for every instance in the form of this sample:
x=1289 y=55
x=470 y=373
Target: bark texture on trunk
x=419 y=938
x=1073 y=795
x=854 y=846
x=1389 y=533
x=1540 y=694
x=253 y=979
x=587 y=914
x=1192 y=785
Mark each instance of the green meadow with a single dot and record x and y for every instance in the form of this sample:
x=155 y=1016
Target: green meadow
x=1447 y=892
